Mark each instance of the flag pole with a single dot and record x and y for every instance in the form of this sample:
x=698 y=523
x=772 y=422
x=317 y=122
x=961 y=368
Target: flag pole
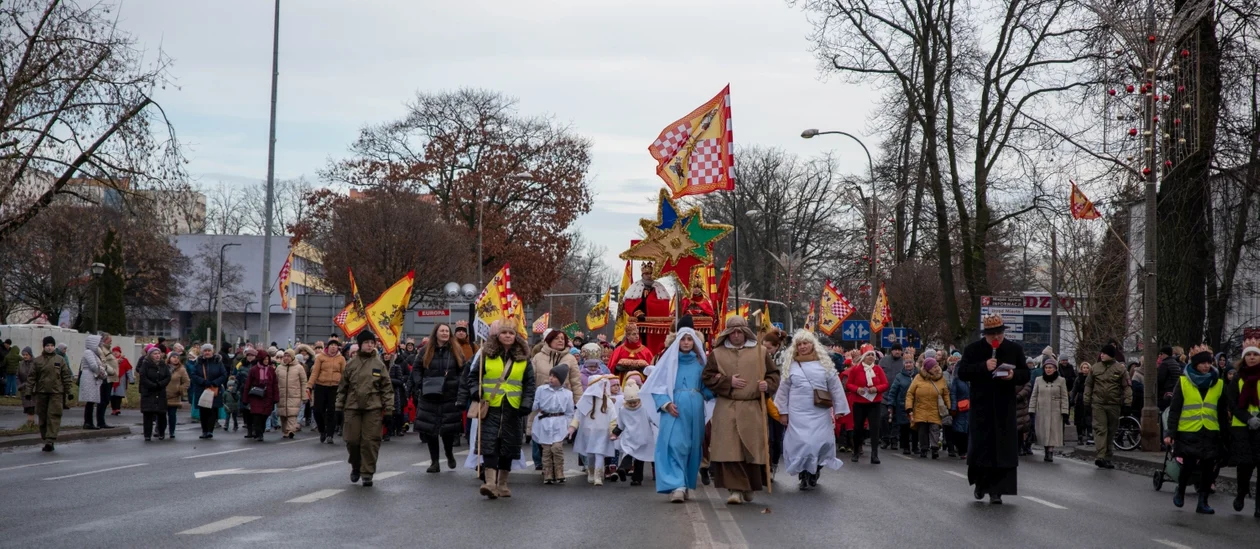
x=765 y=425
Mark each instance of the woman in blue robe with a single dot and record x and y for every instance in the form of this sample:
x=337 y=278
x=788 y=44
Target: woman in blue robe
x=679 y=396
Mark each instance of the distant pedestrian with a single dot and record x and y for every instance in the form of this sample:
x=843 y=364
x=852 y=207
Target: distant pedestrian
x=1023 y=421
x=1167 y=373
x=51 y=385
x=927 y=404
x=154 y=377
x=12 y=363
x=1083 y=420
x=1194 y=426
x=111 y=365
x=264 y=391
x=325 y=377
x=365 y=396
x=1107 y=390
x=25 y=368
x=291 y=391
x=1049 y=404
x=994 y=366
x=1137 y=380
x=208 y=374
x=810 y=400
x=1242 y=397
x=126 y=376
x=176 y=390
x=960 y=408
x=92 y=376
x=898 y=388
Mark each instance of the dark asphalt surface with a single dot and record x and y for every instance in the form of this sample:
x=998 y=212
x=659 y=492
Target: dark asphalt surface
x=125 y=492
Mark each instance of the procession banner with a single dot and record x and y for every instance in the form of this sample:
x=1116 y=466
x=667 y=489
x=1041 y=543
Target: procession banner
x=695 y=154
x=833 y=309
x=353 y=318
x=386 y=314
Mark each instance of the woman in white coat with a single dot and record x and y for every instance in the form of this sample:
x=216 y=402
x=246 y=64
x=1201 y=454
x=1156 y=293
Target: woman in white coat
x=92 y=375
x=808 y=398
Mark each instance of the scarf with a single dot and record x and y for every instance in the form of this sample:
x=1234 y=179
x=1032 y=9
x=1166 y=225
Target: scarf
x=1250 y=394
x=801 y=359
x=1202 y=381
x=869 y=369
x=933 y=375
x=1050 y=377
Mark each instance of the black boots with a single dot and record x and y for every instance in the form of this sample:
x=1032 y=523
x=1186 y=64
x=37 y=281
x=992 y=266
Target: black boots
x=1179 y=496
x=1049 y=456
x=1202 y=508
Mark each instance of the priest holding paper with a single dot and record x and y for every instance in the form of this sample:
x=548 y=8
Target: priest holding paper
x=995 y=367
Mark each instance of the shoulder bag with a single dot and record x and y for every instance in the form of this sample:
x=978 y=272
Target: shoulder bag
x=822 y=397
x=941 y=409
x=206 y=400
x=431 y=386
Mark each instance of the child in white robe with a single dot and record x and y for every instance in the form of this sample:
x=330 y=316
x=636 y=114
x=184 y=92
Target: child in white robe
x=592 y=428
x=635 y=432
x=554 y=405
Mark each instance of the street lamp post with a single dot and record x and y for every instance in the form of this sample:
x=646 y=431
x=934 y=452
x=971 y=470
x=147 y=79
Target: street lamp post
x=98 y=269
x=218 y=293
x=873 y=209
x=269 y=203
x=467 y=291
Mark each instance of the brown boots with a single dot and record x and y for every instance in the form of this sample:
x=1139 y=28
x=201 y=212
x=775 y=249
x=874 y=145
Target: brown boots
x=489 y=488
x=504 y=491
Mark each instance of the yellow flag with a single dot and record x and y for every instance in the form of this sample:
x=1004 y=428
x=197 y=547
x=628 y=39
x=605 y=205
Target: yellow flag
x=597 y=318
x=765 y=317
x=495 y=302
x=623 y=319
x=353 y=318
x=386 y=314
x=882 y=315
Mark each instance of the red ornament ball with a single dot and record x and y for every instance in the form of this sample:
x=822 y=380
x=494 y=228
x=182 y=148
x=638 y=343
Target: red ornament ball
x=1181 y=89
x=1185 y=53
x=1176 y=121
x=1168 y=163
x=1111 y=91
x=1151 y=38
x=1129 y=88
x=1146 y=171
x=1155 y=119
x=1132 y=131
x=1166 y=97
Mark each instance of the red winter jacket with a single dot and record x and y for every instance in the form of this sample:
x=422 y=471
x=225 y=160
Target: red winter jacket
x=857 y=380
x=846 y=422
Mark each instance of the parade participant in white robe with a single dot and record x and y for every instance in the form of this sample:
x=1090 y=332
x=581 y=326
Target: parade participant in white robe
x=808 y=398
x=635 y=432
x=554 y=405
x=592 y=428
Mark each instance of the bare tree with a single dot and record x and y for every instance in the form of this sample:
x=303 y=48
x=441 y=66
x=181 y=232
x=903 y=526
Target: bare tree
x=226 y=210
x=75 y=106
x=291 y=205
x=202 y=287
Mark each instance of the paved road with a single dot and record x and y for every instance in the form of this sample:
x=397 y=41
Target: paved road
x=233 y=492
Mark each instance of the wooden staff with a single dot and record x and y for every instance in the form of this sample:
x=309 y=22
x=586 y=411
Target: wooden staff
x=765 y=414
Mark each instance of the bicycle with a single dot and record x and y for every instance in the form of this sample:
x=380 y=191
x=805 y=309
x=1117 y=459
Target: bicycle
x=1128 y=434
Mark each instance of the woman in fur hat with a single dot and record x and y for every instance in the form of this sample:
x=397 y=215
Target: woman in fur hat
x=506 y=394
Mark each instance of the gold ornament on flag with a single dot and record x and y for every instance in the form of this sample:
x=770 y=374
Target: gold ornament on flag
x=882 y=316
x=597 y=318
x=353 y=318
x=833 y=309
x=386 y=314
x=694 y=155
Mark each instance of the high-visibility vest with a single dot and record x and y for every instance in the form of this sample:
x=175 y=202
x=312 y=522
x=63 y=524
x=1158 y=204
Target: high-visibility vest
x=1198 y=412
x=494 y=386
x=1255 y=410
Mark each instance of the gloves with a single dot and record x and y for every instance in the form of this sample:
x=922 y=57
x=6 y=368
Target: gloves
x=1254 y=423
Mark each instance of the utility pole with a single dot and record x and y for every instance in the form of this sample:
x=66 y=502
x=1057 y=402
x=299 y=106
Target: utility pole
x=1150 y=308
x=1054 y=289
x=265 y=328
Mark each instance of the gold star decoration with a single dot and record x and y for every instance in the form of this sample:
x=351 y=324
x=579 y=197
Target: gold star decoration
x=678 y=241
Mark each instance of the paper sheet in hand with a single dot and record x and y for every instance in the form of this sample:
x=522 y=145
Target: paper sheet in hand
x=868 y=393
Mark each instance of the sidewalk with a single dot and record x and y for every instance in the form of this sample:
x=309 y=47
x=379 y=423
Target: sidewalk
x=1141 y=463
x=128 y=422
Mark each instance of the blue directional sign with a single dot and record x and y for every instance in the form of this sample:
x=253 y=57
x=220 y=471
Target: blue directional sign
x=855 y=330
x=778 y=325
x=891 y=336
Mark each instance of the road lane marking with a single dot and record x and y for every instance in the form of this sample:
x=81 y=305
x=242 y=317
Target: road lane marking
x=734 y=537
x=316 y=496
x=1172 y=544
x=218 y=453
x=957 y=474
x=218 y=526
x=383 y=476
x=240 y=471
x=295 y=441
x=100 y=471
x=699 y=527
x=902 y=456
x=1044 y=502
x=35 y=464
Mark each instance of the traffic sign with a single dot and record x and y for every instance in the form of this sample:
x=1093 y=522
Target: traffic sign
x=778 y=325
x=897 y=336
x=855 y=330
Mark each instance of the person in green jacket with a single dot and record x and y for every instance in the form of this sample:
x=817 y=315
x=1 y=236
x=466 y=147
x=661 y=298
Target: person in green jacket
x=12 y=360
x=365 y=395
x=1106 y=391
x=51 y=384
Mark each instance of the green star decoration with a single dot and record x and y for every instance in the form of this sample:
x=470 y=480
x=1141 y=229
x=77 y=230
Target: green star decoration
x=703 y=234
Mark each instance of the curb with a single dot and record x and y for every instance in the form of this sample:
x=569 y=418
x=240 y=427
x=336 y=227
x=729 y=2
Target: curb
x=34 y=439
x=1224 y=484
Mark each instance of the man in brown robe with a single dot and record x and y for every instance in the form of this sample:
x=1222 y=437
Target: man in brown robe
x=739 y=371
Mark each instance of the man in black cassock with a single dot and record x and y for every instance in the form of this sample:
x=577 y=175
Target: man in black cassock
x=996 y=369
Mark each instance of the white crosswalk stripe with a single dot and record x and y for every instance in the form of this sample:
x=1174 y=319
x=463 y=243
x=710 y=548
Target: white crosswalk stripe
x=218 y=526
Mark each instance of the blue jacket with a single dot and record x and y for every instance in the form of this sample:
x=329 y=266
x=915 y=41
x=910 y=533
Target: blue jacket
x=209 y=373
x=896 y=396
x=959 y=390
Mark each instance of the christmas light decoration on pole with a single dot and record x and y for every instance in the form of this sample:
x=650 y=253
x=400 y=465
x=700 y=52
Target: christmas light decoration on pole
x=1165 y=77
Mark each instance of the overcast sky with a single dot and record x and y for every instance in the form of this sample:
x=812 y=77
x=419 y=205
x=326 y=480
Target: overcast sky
x=617 y=71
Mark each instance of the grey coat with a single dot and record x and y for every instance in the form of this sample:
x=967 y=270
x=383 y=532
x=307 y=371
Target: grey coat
x=91 y=371
x=1050 y=403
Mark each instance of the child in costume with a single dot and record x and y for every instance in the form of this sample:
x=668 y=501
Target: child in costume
x=635 y=432
x=616 y=399
x=554 y=405
x=596 y=418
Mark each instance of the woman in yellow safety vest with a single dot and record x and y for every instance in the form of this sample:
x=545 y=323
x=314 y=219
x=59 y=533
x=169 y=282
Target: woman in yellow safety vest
x=1242 y=397
x=501 y=382
x=1194 y=423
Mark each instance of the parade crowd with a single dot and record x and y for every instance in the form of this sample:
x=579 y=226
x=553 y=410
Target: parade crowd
x=731 y=410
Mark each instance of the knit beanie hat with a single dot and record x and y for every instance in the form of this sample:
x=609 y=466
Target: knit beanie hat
x=929 y=364
x=1110 y=350
x=365 y=335
x=930 y=353
x=560 y=372
x=1201 y=357
x=48 y=340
